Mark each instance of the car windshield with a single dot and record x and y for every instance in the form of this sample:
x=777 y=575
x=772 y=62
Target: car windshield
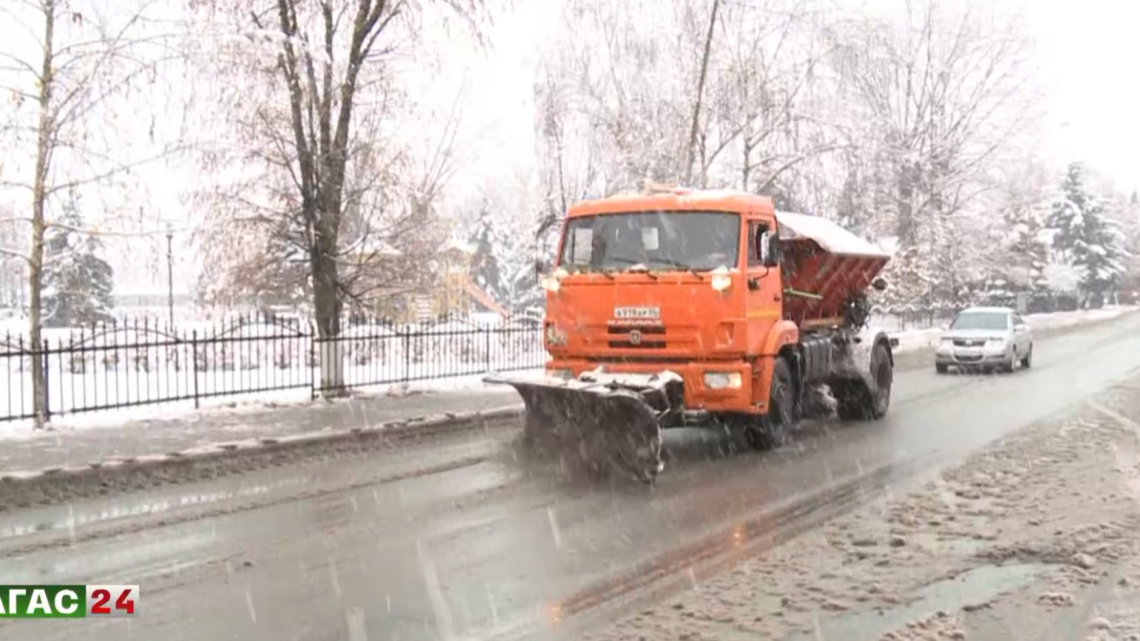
x=657 y=241
x=981 y=320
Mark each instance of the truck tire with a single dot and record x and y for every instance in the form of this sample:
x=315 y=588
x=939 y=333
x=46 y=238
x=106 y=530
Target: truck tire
x=774 y=429
x=856 y=402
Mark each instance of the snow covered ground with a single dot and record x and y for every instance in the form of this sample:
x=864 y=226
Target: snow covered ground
x=1037 y=537
x=250 y=405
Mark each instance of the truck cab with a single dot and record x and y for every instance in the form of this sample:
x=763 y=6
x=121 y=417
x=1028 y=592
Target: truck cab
x=688 y=283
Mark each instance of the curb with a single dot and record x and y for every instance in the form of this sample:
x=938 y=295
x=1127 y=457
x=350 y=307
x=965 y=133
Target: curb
x=59 y=484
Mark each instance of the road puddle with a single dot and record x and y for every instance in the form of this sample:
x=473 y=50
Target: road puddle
x=975 y=586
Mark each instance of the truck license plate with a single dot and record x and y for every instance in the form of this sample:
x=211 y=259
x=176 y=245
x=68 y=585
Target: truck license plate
x=637 y=312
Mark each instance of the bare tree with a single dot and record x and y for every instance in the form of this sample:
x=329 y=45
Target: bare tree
x=317 y=137
x=85 y=66
x=937 y=99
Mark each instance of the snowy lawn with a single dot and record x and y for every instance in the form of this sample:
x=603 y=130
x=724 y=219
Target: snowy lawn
x=137 y=366
x=252 y=407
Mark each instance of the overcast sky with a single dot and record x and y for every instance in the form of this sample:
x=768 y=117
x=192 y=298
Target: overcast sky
x=1086 y=52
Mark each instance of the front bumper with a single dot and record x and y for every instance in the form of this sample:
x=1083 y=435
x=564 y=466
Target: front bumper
x=966 y=357
x=697 y=395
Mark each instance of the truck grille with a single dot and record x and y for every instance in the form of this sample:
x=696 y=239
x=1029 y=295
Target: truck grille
x=643 y=337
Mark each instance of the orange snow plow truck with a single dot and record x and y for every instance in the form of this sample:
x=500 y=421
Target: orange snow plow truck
x=675 y=307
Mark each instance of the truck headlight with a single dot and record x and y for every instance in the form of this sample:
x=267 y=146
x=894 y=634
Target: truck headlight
x=563 y=373
x=554 y=336
x=550 y=283
x=721 y=281
x=723 y=380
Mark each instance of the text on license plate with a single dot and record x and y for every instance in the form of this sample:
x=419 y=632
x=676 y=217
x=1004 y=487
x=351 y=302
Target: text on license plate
x=637 y=312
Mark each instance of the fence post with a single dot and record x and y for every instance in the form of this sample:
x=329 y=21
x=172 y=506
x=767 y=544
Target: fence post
x=194 y=363
x=47 y=383
x=407 y=331
x=313 y=364
x=487 y=346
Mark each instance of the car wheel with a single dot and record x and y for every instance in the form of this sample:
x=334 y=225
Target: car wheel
x=941 y=368
x=1027 y=362
x=1009 y=366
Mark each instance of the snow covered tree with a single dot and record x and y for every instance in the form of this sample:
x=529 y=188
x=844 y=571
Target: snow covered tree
x=76 y=75
x=78 y=283
x=1066 y=217
x=486 y=269
x=1087 y=237
x=1028 y=256
x=505 y=236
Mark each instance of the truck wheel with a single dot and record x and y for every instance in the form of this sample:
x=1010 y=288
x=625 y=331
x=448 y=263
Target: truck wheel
x=774 y=429
x=856 y=402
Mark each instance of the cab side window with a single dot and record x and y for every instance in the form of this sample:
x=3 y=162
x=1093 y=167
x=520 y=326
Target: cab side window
x=757 y=242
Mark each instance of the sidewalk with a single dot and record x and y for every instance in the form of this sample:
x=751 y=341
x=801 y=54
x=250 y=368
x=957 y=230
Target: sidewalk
x=1036 y=538
x=64 y=446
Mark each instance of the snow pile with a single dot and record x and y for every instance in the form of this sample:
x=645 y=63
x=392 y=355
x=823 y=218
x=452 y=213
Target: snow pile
x=1036 y=533
x=827 y=234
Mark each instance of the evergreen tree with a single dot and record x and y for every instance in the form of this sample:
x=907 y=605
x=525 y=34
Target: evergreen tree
x=1085 y=234
x=1066 y=218
x=1100 y=254
x=77 y=282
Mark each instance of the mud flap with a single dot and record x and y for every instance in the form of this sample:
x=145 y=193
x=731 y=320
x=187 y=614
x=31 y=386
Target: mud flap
x=606 y=420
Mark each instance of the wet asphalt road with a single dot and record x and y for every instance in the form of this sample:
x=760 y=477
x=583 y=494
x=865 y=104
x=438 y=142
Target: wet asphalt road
x=485 y=545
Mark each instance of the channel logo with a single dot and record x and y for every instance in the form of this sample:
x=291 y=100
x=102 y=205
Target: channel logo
x=67 y=601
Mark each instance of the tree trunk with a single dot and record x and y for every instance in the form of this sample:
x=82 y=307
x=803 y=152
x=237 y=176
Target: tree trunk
x=692 y=148
x=327 y=310
x=39 y=202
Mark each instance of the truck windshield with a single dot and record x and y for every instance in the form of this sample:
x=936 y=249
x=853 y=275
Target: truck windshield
x=981 y=320
x=657 y=241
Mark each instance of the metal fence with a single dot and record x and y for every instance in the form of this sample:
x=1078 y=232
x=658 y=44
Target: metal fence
x=129 y=365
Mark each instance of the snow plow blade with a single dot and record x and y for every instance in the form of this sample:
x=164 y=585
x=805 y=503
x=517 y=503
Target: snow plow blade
x=604 y=419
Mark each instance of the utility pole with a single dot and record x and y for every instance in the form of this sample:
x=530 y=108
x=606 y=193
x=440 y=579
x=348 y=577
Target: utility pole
x=170 y=276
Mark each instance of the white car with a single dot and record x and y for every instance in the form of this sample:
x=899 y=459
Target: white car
x=985 y=338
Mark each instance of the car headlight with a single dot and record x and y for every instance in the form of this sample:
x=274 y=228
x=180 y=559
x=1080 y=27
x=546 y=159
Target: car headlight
x=996 y=344
x=723 y=380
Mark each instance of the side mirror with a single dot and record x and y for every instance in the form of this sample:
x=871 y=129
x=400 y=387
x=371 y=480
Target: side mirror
x=772 y=256
x=880 y=284
x=539 y=267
